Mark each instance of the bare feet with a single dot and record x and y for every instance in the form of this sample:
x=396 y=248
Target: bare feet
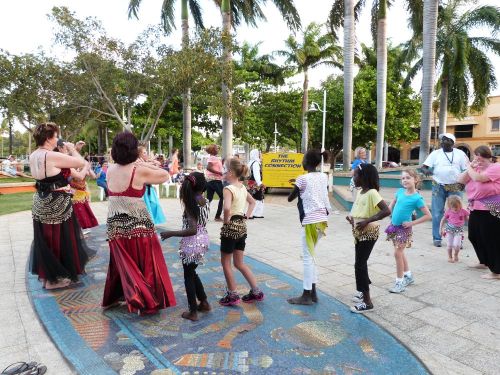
x=479 y=266
x=190 y=315
x=60 y=284
x=450 y=260
x=204 y=306
x=491 y=276
x=455 y=259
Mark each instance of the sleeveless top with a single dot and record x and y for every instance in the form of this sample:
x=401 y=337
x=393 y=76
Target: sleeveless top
x=202 y=217
x=128 y=216
x=239 y=199
x=51 y=205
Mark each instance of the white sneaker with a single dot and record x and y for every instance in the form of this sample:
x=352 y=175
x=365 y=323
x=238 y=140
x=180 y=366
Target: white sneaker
x=398 y=287
x=357 y=297
x=408 y=280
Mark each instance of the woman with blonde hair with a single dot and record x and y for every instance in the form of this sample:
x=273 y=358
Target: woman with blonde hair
x=360 y=156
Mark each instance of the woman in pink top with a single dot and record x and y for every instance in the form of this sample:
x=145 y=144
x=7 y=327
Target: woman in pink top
x=214 y=178
x=482 y=180
x=174 y=169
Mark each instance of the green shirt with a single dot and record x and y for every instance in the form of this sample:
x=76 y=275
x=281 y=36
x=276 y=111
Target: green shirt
x=365 y=205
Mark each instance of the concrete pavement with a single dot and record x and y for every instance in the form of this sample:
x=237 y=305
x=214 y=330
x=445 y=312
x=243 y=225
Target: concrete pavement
x=450 y=318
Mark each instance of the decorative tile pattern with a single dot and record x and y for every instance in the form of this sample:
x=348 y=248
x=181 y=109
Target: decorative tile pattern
x=270 y=337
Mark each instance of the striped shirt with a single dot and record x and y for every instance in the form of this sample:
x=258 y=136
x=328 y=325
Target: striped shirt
x=313 y=188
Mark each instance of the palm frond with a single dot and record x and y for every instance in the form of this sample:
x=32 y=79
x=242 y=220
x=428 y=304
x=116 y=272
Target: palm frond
x=289 y=13
x=413 y=72
x=487 y=16
x=336 y=17
x=167 y=16
x=133 y=8
x=196 y=13
x=483 y=78
x=486 y=43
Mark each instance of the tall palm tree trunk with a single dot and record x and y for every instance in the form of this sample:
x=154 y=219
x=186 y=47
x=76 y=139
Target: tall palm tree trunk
x=428 y=71
x=305 y=103
x=227 y=120
x=186 y=98
x=349 y=36
x=381 y=80
x=443 y=105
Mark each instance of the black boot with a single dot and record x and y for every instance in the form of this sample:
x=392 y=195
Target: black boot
x=304 y=299
x=314 y=296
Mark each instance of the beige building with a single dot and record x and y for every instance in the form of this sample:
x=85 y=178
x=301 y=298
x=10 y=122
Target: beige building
x=471 y=131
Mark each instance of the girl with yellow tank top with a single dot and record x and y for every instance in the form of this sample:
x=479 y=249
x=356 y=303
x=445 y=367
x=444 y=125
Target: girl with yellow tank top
x=234 y=233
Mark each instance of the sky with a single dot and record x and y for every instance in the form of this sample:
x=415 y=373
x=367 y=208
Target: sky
x=25 y=27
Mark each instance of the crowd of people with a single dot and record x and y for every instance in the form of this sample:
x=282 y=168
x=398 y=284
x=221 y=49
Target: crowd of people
x=138 y=275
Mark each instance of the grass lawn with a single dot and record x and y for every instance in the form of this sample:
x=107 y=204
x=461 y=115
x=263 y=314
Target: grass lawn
x=10 y=203
x=9 y=180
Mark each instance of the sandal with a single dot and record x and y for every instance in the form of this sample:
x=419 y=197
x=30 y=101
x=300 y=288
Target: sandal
x=23 y=368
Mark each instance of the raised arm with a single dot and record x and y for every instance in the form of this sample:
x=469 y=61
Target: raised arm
x=151 y=174
x=190 y=231
x=60 y=160
x=477 y=176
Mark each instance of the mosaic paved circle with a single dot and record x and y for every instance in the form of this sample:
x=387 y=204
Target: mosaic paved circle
x=271 y=337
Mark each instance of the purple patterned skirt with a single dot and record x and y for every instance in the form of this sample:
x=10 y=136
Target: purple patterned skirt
x=493 y=204
x=193 y=248
x=399 y=235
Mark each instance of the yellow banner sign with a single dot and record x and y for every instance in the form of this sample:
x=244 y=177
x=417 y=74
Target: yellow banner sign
x=279 y=168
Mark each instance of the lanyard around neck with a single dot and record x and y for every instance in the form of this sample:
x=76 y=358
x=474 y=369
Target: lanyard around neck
x=452 y=156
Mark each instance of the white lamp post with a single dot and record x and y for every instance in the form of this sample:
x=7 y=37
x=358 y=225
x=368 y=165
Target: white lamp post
x=313 y=108
x=276 y=133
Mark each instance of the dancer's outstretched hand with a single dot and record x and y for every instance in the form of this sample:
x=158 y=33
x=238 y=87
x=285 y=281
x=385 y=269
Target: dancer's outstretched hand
x=165 y=235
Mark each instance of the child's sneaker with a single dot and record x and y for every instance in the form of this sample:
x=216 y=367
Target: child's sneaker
x=361 y=307
x=408 y=280
x=252 y=297
x=357 y=297
x=398 y=287
x=230 y=299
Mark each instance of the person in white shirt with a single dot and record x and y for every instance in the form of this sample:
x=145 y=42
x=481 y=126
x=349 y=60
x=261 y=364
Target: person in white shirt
x=445 y=165
x=255 y=186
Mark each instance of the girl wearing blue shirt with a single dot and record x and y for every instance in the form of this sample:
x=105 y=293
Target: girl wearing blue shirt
x=405 y=202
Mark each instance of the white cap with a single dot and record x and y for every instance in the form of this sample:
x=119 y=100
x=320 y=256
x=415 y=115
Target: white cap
x=448 y=135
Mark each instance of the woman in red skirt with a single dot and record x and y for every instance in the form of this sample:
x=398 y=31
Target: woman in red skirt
x=81 y=195
x=137 y=269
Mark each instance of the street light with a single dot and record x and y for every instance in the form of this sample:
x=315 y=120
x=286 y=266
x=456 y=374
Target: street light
x=313 y=108
x=276 y=133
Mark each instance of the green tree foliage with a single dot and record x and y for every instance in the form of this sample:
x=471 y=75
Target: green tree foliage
x=403 y=106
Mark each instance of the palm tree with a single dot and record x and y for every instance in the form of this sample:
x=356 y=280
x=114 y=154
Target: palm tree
x=315 y=49
x=429 y=31
x=232 y=13
x=168 y=23
x=346 y=8
x=462 y=58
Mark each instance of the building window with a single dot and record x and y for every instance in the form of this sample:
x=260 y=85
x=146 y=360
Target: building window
x=495 y=150
x=463 y=131
x=495 y=124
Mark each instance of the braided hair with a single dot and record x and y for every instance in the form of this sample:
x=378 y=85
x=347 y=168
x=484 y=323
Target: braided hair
x=192 y=186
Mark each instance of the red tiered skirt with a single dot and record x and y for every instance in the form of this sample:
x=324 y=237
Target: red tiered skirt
x=84 y=214
x=138 y=273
